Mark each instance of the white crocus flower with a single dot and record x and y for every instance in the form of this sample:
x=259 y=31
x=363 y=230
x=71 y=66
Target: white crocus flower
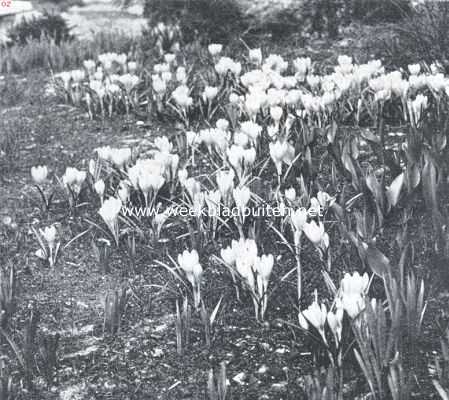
x=100 y=187
x=190 y=264
x=325 y=200
x=181 y=75
x=129 y=81
x=278 y=150
x=276 y=113
x=246 y=255
x=182 y=97
x=251 y=129
x=414 y=69
x=73 y=179
x=299 y=219
x=120 y=157
x=215 y=49
x=110 y=211
x=123 y=192
x=210 y=93
x=39 y=174
x=198 y=203
x=263 y=268
x=315 y=315
x=255 y=56
x=290 y=194
x=302 y=67
x=192 y=186
x=49 y=234
x=417 y=106
x=235 y=157
x=242 y=196
x=228 y=255
x=314 y=232
x=335 y=321
x=192 y=138
x=213 y=202
x=159 y=220
x=222 y=124
x=353 y=289
x=225 y=182
x=182 y=176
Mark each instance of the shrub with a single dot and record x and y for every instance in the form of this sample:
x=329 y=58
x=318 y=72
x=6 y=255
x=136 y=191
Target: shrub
x=45 y=53
x=374 y=11
x=212 y=20
x=422 y=35
x=48 y=25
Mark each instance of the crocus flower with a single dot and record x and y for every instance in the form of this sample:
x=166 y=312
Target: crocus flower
x=190 y=264
x=215 y=49
x=242 y=196
x=264 y=266
x=99 y=187
x=213 y=202
x=299 y=219
x=182 y=97
x=316 y=316
x=314 y=232
x=278 y=151
x=123 y=192
x=120 y=157
x=49 y=234
x=210 y=93
x=276 y=113
x=228 y=255
x=110 y=211
x=73 y=179
x=246 y=255
x=353 y=289
x=255 y=56
x=290 y=194
x=414 y=69
x=335 y=322
x=39 y=174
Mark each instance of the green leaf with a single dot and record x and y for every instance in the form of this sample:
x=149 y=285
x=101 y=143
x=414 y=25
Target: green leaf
x=394 y=190
x=367 y=134
x=377 y=261
x=429 y=175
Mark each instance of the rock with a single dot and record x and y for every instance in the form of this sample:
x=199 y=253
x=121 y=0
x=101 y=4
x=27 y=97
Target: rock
x=74 y=392
x=279 y=386
x=82 y=353
x=240 y=378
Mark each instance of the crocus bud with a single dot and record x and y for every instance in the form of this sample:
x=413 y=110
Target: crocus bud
x=276 y=113
x=215 y=49
x=39 y=174
x=255 y=56
x=316 y=315
x=228 y=255
x=290 y=194
x=49 y=234
x=99 y=187
x=335 y=319
x=241 y=197
x=110 y=210
x=299 y=218
x=314 y=232
x=188 y=260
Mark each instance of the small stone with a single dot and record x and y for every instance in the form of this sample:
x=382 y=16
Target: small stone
x=240 y=378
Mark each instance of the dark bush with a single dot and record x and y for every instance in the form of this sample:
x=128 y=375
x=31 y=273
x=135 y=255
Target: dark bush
x=422 y=35
x=209 y=20
x=48 y=25
x=374 y=11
